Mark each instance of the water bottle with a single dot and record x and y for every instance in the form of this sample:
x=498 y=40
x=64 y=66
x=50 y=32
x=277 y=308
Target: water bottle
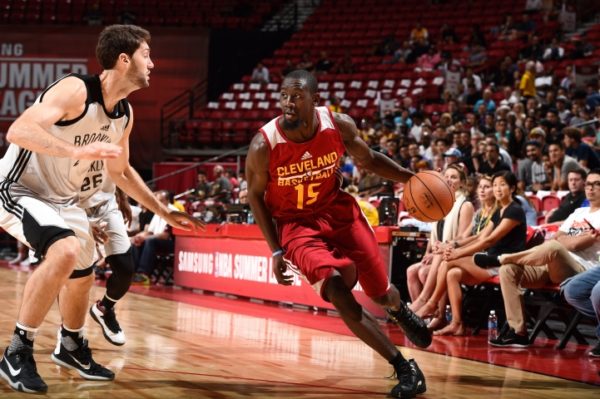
x=448 y=314
x=250 y=218
x=492 y=326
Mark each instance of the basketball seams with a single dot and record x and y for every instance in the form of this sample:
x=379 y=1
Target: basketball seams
x=413 y=198
x=435 y=200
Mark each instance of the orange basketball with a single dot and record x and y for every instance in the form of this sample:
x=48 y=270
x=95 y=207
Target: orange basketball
x=427 y=196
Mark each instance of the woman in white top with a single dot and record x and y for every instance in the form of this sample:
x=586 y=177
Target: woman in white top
x=421 y=277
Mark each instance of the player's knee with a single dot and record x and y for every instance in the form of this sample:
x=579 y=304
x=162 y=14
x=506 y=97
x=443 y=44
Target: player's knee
x=66 y=249
x=342 y=299
x=122 y=264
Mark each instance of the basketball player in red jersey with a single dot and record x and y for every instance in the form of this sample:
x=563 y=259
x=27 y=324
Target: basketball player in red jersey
x=319 y=231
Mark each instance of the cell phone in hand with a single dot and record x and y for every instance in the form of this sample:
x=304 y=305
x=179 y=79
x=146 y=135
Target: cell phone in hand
x=590 y=225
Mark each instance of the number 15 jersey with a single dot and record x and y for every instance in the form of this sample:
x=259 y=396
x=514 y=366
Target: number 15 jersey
x=303 y=177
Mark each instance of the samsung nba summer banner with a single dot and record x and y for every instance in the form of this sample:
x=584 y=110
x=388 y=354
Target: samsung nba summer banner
x=235 y=259
x=31 y=60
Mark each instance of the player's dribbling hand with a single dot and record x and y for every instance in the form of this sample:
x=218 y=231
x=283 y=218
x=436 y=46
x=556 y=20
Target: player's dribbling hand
x=97 y=150
x=279 y=269
x=183 y=221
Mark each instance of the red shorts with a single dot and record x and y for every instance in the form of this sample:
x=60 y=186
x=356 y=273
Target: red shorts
x=337 y=238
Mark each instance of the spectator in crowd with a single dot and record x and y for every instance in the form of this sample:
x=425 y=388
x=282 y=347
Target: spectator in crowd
x=526 y=26
x=324 y=63
x=533 y=50
x=487 y=101
x=156 y=238
x=473 y=77
x=202 y=185
x=554 y=51
x=419 y=36
x=505 y=233
x=573 y=250
x=451 y=156
x=477 y=55
x=402 y=53
x=504 y=73
x=260 y=74
x=368 y=209
x=561 y=164
x=575 y=148
x=527 y=84
x=571 y=201
x=429 y=60
x=334 y=104
x=536 y=179
x=568 y=81
x=492 y=162
x=221 y=187
x=562 y=108
x=583 y=293
x=506 y=30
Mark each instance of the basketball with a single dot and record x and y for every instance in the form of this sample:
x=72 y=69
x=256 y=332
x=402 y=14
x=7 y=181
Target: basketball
x=427 y=197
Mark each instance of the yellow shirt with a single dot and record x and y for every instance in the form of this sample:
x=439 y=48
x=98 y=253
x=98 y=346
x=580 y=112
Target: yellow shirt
x=527 y=85
x=370 y=212
x=180 y=207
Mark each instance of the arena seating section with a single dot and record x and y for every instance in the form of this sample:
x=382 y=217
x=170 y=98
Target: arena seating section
x=356 y=26
x=210 y=13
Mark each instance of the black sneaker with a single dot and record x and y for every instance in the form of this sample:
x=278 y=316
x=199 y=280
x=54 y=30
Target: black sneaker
x=595 y=352
x=81 y=360
x=414 y=327
x=485 y=261
x=20 y=371
x=511 y=340
x=412 y=381
x=108 y=321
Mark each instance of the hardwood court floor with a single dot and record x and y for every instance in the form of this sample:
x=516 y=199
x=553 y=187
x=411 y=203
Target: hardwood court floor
x=181 y=350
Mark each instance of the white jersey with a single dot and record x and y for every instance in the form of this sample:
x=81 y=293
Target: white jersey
x=89 y=199
x=576 y=224
x=65 y=181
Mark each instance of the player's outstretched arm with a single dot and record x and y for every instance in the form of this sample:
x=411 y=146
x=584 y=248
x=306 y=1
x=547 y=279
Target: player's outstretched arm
x=128 y=180
x=364 y=156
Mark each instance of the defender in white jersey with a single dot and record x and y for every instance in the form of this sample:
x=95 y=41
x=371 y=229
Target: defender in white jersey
x=77 y=122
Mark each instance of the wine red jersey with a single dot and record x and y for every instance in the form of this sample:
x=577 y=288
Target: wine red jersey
x=303 y=177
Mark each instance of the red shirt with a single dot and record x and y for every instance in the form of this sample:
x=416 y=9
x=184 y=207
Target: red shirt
x=303 y=177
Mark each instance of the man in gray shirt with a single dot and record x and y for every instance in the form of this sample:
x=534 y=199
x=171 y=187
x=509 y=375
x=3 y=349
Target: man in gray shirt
x=562 y=164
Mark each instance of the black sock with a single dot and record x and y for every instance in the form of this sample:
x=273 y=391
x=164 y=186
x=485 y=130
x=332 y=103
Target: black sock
x=398 y=361
x=71 y=339
x=22 y=337
x=107 y=303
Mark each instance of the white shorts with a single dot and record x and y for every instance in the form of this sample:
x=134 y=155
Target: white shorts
x=38 y=223
x=108 y=212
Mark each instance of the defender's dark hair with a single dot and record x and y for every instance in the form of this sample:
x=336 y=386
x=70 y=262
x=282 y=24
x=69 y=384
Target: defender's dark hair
x=117 y=39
